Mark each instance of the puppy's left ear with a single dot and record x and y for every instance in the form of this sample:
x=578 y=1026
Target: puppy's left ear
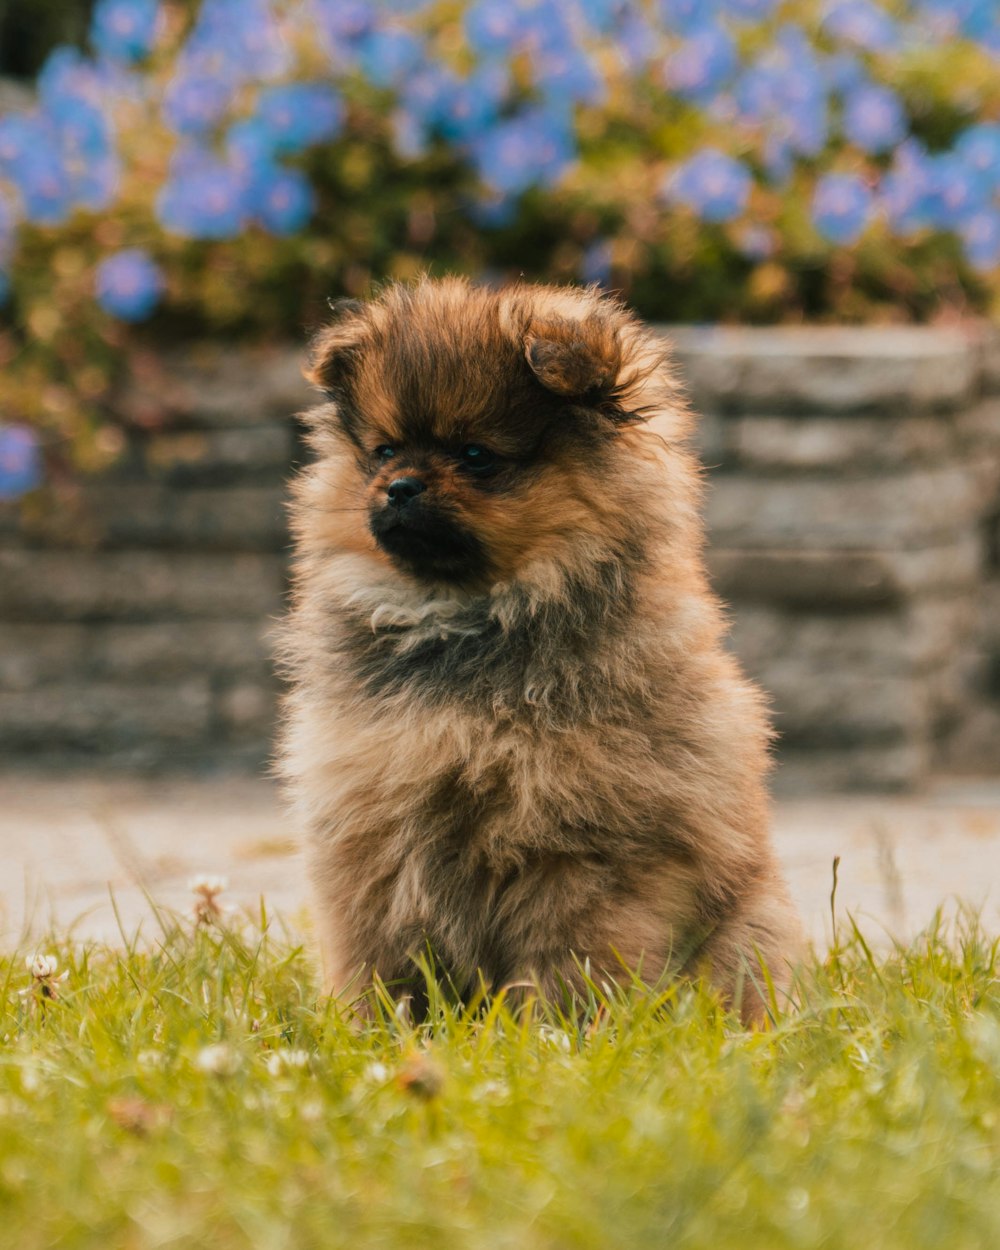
x=331 y=349
x=580 y=360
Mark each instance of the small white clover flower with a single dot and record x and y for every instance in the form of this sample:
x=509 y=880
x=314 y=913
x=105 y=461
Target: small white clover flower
x=218 y=1059
x=377 y=1072
x=558 y=1039
x=206 y=889
x=44 y=978
x=279 y=1061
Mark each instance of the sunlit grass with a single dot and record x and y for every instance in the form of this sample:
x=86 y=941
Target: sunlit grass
x=193 y=1091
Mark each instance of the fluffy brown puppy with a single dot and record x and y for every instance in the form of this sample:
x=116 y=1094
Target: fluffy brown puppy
x=513 y=732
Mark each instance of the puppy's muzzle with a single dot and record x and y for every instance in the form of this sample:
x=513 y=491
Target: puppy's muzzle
x=403 y=490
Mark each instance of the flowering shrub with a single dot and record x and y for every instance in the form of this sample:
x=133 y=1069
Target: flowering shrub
x=223 y=166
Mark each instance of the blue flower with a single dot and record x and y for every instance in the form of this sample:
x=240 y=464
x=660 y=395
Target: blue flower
x=194 y=103
x=128 y=284
x=979 y=148
x=713 y=185
x=20 y=461
x=601 y=15
x=567 y=75
x=785 y=92
x=495 y=26
x=532 y=149
x=862 y=23
x=874 y=118
x=636 y=41
x=239 y=40
x=980 y=236
x=703 y=64
x=950 y=18
x=67 y=75
x=21 y=136
x=299 y=115
x=94 y=184
x=250 y=147
x=686 y=16
x=844 y=72
x=842 y=206
x=284 y=201
x=750 y=10
x=44 y=186
x=345 y=21
x=471 y=105
x=80 y=129
x=958 y=191
x=203 y=197
x=124 y=29
x=907 y=191
x=387 y=56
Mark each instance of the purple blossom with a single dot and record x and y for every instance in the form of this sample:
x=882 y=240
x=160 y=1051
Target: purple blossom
x=874 y=118
x=531 y=149
x=750 y=10
x=194 y=103
x=238 y=40
x=388 y=55
x=713 y=185
x=568 y=75
x=124 y=30
x=636 y=41
x=980 y=235
x=979 y=148
x=842 y=207
x=203 y=197
x=907 y=191
x=703 y=64
x=345 y=21
x=283 y=202
x=299 y=115
x=784 y=91
x=844 y=72
x=687 y=16
x=20 y=461
x=495 y=26
x=862 y=23
x=68 y=75
x=128 y=284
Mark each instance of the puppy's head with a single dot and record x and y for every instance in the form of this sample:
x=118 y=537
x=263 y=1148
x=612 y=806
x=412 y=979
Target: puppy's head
x=472 y=432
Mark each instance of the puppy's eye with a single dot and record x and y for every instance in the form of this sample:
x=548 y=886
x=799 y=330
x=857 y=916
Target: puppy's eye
x=477 y=458
x=384 y=452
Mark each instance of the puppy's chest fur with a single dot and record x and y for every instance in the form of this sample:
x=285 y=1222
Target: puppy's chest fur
x=483 y=765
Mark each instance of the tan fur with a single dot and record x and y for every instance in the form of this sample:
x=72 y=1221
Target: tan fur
x=546 y=759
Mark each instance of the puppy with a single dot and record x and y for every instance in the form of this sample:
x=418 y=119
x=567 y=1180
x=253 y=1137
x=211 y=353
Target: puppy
x=513 y=733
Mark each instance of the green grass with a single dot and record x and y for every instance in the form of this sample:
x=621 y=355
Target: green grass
x=196 y=1093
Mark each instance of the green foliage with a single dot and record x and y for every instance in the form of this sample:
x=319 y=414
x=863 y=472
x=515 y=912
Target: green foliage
x=192 y=1092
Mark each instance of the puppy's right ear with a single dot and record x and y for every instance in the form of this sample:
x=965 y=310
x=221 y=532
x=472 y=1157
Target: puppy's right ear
x=333 y=348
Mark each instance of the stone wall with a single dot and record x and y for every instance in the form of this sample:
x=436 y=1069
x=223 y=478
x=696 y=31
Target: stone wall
x=853 y=512
x=853 y=515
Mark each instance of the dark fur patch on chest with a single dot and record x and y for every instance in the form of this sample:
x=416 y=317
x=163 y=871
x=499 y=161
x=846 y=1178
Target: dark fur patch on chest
x=536 y=653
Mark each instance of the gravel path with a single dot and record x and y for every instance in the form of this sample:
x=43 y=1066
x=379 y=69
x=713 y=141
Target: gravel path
x=67 y=845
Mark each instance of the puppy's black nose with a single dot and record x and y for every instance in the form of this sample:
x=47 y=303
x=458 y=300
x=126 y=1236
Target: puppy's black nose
x=403 y=489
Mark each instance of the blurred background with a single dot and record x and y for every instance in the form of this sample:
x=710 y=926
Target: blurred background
x=803 y=194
